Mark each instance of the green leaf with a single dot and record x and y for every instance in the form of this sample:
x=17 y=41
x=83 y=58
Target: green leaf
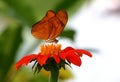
x=70 y=5
x=10 y=41
x=21 y=10
x=69 y=33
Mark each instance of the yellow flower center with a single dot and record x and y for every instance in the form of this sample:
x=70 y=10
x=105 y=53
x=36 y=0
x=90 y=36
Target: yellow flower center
x=50 y=48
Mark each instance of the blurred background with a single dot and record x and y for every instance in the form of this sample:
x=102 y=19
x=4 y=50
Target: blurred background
x=92 y=25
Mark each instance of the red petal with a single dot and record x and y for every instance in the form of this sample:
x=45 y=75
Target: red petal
x=81 y=51
x=64 y=52
x=73 y=58
x=25 y=60
x=42 y=59
x=67 y=49
x=57 y=59
x=39 y=59
x=62 y=55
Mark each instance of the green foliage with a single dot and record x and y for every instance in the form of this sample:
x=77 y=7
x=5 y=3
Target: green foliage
x=26 y=75
x=68 y=34
x=10 y=41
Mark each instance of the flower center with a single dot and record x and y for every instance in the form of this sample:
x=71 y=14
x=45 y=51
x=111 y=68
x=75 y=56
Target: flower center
x=50 y=48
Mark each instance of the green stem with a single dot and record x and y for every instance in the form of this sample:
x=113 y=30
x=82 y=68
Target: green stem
x=54 y=75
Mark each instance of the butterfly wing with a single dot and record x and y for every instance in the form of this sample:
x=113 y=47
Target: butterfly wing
x=41 y=31
x=43 y=28
x=50 y=26
x=62 y=16
x=58 y=22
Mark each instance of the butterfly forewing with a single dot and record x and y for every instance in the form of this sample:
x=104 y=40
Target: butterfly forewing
x=48 y=16
x=62 y=16
x=58 y=22
x=41 y=31
x=43 y=28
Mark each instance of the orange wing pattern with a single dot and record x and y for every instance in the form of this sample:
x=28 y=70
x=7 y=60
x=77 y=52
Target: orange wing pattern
x=50 y=26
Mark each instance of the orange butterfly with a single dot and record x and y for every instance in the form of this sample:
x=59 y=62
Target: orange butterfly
x=50 y=26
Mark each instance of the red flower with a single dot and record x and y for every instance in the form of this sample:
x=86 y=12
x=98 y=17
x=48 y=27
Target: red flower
x=53 y=50
x=73 y=55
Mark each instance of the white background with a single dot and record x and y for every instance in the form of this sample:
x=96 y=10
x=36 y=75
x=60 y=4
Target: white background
x=99 y=28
